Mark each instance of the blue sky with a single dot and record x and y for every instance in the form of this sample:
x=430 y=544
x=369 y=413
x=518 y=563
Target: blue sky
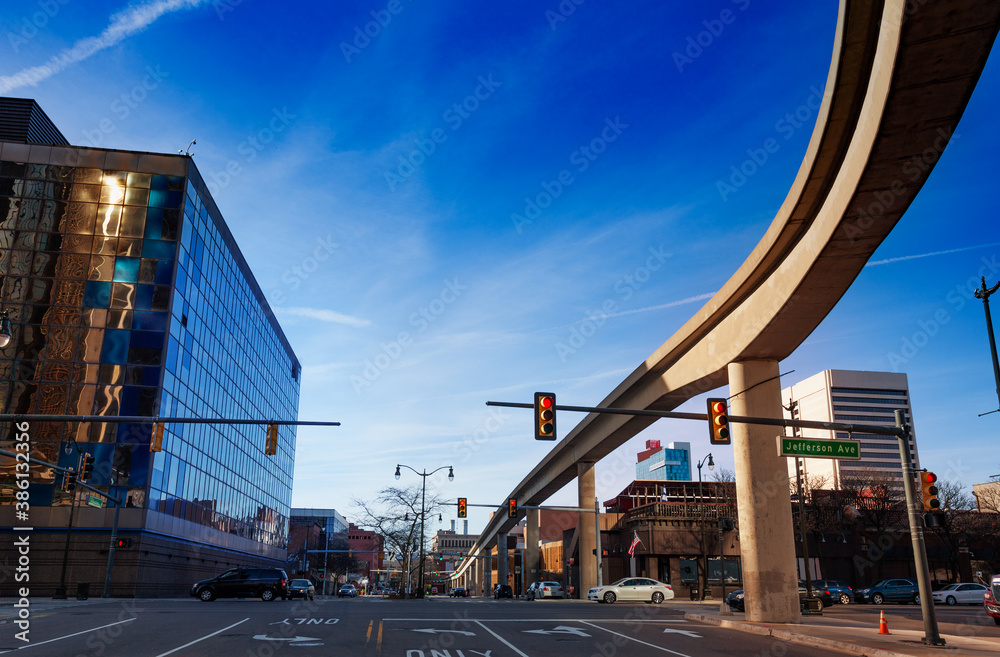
x=386 y=190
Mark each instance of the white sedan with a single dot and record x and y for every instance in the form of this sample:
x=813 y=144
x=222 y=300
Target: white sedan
x=632 y=588
x=960 y=594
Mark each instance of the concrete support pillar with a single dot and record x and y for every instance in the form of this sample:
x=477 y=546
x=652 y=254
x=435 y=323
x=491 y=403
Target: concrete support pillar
x=502 y=561
x=586 y=487
x=531 y=573
x=770 y=577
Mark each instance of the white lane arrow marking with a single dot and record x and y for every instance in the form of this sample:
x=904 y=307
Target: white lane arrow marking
x=561 y=629
x=264 y=637
x=429 y=631
x=684 y=632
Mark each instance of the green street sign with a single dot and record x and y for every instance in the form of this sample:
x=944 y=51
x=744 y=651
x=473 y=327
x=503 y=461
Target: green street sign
x=94 y=501
x=819 y=448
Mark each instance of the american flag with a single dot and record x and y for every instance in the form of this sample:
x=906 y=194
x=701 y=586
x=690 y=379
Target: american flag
x=635 y=541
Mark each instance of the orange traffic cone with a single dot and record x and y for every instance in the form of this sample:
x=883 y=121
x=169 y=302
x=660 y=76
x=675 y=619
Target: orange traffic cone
x=883 y=627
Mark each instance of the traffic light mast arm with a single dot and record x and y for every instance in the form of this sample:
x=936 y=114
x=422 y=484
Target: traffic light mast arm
x=733 y=419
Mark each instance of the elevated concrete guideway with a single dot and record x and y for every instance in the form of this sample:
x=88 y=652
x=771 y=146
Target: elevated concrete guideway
x=900 y=78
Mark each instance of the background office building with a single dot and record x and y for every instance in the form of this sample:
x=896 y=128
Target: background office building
x=857 y=398
x=127 y=296
x=670 y=463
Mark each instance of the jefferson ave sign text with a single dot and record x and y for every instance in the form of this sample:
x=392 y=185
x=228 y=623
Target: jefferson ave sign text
x=819 y=448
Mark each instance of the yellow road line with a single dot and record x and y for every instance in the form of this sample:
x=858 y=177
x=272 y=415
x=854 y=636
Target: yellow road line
x=378 y=641
x=368 y=635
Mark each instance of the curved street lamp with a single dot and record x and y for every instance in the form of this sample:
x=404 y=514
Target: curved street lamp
x=423 y=496
x=701 y=521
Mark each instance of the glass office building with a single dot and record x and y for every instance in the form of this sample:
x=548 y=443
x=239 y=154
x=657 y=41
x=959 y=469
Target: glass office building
x=670 y=463
x=128 y=296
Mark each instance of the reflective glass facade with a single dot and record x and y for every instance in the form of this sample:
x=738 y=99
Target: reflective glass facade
x=128 y=296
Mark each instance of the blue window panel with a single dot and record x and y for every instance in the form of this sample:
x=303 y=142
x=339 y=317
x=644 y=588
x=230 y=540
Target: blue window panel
x=150 y=376
x=149 y=321
x=129 y=405
x=175 y=183
x=173 y=199
x=139 y=470
x=164 y=272
x=115 y=347
x=154 y=224
x=131 y=433
x=160 y=249
x=159 y=182
x=41 y=494
x=196 y=276
x=186 y=364
x=144 y=297
x=197 y=250
x=97 y=294
x=158 y=198
x=147 y=339
x=126 y=270
x=181 y=284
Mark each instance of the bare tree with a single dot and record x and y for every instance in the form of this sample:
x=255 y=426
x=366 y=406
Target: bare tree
x=395 y=515
x=724 y=474
x=877 y=497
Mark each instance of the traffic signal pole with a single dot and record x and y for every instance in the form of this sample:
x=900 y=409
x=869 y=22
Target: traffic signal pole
x=931 y=634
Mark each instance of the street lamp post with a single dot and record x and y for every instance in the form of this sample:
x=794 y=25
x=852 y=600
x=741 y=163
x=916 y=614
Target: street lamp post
x=423 y=513
x=701 y=521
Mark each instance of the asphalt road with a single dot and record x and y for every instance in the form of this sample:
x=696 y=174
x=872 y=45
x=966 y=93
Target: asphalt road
x=437 y=627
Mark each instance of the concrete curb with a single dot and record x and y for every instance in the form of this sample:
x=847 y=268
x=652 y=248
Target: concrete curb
x=795 y=637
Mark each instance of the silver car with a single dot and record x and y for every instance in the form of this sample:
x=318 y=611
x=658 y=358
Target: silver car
x=960 y=594
x=632 y=588
x=541 y=590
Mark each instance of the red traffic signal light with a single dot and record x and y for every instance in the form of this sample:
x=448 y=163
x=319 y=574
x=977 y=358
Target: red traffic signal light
x=545 y=416
x=463 y=507
x=123 y=543
x=718 y=422
x=928 y=486
x=512 y=507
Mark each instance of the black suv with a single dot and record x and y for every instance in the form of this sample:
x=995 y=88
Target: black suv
x=264 y=583
x=503 y=591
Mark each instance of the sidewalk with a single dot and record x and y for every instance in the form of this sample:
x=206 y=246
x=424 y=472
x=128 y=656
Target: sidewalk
x=843 y=634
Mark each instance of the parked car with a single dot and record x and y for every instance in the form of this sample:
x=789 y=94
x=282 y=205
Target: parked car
x=301 y=588
x=991 y=603
x=961 y=594
x=838 y=589
x=632 y=588
x=503 y=591
x=539 y=590
x=889 y=590
x=347 y=591
x=825 y=595
x=736 y=601
x=264 y=583
x=459 y=592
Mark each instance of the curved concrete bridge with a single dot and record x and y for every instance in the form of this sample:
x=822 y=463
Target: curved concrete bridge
x=900 y=77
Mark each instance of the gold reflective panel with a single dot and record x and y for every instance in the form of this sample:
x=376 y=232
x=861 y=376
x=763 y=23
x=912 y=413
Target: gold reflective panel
x=108 y=218
x=102 y=268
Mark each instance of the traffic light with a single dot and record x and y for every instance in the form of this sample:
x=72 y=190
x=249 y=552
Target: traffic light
x=87 y=467
x=271 y=448
x=123 y=543
x=512 y=507
x=604 y=552
x=156 y=439
x=69 y=482
x=545 y=416
x=928 y=484
x=718 y=422
x=463 y=507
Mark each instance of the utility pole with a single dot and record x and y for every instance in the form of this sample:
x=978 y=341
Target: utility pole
x=984 y=294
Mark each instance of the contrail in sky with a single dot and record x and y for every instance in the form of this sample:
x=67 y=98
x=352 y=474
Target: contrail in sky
x=123 y=24
x=680 y=302
x=888 y=261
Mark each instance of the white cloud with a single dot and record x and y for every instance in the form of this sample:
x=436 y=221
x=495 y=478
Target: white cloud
x=123 y=24
x=319 y=314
